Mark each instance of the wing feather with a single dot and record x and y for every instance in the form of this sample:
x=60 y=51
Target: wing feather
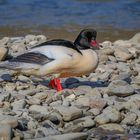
x=32 y=57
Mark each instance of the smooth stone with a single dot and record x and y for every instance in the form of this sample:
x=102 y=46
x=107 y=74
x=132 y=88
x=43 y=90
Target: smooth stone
x=32 y=124
x=17 y=105
x=9 y=87
x=39 y=109
x=33 y=101
x=106 y=44
x=47 y=129
x=123 y=67
x=136 y=80
x=3 y=53
x=69 y=136
x=135 y=38
x=124 y=76
x=32 y=43
x=28 y=135
x=119 y=88
x=107 y=51
x=69 y=113
x=130 y=119
x=4 y=41
x=18 y=48
x=112 y=127
x=41 y=38
x=24 y=78
x=112 y=58
x=122 y=54
x=103 y=58
x=56 y=103
x=6 y=77
x=86 y=122
x=41 y=95
x=5 y=97
x=29 y=38
x=10 y=120
x=91 y=102
x=109 y=115
x=94 y=111
x=5 y=132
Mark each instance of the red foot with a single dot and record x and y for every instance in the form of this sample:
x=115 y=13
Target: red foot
x=55 y=83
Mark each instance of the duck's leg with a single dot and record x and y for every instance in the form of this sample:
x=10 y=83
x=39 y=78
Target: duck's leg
x=55 y=83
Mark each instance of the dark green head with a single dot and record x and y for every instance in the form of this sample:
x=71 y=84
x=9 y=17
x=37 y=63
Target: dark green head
x=87 y=39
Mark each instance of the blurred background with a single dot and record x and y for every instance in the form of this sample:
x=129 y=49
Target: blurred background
x=113 y=19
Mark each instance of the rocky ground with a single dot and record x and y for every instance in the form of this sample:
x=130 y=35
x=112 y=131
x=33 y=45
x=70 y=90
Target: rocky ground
x=102 y=106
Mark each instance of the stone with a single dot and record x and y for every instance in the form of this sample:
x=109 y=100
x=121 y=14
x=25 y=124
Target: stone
x=122 y=54
x=5 y=132
x=69 y=136
x=4 y=41
x=112 y=127
x=3 y=53
x=135 y=38
x=69 y=113
x=29 y=38
x=103 y=58
x=106 y=44
x=112 y=58
x=33 y=101
x=23 y=78
x=20 y=104
x=47 y=129
x=39 y=109
x=41 y=38
x=41 y=95
x=136 y=80
x=86 y=122
x=10 y=87
x=107 y=51
x=109 y=115
x=10 y=120
x=119 y=88
x=56 y=103
x=32 y=124
x=130 y=119
x=94 y=111
x=91 y=102
x=17 y=48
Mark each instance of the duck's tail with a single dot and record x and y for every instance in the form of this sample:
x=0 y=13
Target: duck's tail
x=16 y=65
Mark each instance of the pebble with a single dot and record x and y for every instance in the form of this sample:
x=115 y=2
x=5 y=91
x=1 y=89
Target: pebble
x=10 y=120
x=5 y=132
x=119 y=88
x=69 y=113
x=17 y=105
x=3 y=53
x=69 y=136
x=108 y=99
x=122 y=54
x=39 y=109
x=112 y=127
x=109 y=115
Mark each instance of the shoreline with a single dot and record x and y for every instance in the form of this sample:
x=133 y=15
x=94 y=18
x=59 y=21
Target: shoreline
x=105 y=104
x=68 y=32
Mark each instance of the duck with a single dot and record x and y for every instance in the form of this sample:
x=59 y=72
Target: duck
x=58 y=58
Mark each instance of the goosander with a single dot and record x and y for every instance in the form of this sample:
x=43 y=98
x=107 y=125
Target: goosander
x=58 y=58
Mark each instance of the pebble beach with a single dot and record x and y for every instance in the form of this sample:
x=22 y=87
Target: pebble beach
x=104 y=105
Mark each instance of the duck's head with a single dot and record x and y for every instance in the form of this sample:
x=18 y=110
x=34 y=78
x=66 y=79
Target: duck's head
x=87 y=39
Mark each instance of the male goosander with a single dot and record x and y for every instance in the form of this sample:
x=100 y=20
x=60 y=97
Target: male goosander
x=59 y=58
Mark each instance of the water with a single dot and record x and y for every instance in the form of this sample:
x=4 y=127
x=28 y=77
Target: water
x=112 y=18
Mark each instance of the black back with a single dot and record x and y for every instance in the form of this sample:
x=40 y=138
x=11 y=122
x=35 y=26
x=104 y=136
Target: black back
x=60 y=42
